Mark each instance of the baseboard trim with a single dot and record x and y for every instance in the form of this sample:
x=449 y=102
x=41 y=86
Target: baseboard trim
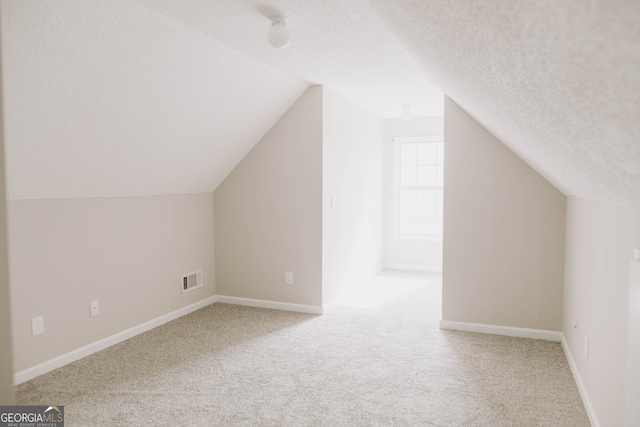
x=539 y=334
x=72 y=356
x=285 y=306
x=581 y=388
x=409 y=267
x=535 y=334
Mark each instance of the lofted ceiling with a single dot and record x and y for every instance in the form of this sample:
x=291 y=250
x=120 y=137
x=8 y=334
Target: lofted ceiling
x=557 y=81
x=130 y=98
x=140 y=97
x=107 y=98
x=344 y=45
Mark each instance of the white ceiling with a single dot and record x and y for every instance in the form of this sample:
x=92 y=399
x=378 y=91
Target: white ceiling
x=139 y=97
x=557 y=81
x=108 y=99
x=130 y=98
x=344 y=45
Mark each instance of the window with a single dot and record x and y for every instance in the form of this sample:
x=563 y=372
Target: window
x=419 y=186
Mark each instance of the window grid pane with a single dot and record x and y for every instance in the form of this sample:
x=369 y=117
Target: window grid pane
x=408 y=153
x=421 y=179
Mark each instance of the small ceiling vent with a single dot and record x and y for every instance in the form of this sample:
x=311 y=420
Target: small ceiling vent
x=191 y=281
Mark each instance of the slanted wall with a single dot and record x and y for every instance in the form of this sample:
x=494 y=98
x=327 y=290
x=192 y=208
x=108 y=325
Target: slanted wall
x=503 y=233
x=268 y=212
x=273 y=213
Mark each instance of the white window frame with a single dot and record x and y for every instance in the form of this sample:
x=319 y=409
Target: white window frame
x=397 y=141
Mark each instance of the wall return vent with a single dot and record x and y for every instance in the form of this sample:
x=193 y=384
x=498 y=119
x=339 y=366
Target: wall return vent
x=191 y=281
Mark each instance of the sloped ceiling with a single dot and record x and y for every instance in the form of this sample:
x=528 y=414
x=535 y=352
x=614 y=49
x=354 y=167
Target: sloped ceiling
x=557 y=81
x=132 y=98
x=344 y=45
x=138 y=97
x=103 y=98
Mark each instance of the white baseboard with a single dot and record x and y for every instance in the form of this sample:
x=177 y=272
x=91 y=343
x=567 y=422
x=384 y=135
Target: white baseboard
x=301 y=308
x=535 y=334
x=72 y=356
x=509 y=331
x=57 y=362
x=409 y=267
x=581 y=388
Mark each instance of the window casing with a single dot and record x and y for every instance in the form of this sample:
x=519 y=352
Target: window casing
x=418 y=189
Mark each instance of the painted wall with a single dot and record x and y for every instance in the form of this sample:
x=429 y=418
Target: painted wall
x=400 y=252
x=503 y=233
x=268 y=212
x=128 y=253
x=599 y=245
x=632 y=376
x=7 y=396
x=352 y=166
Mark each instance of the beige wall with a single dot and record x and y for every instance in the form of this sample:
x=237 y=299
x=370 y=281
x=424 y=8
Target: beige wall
x=128 y=253
x=6 y=357
x=352 y=154
x=268 y=212
x=600 y=238
x=405 y=252
x=503 y=233
x=632 y=375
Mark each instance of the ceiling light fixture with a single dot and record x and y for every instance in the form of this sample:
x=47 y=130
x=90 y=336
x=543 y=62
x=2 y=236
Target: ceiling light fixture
x=406 y=112
x=279 y=35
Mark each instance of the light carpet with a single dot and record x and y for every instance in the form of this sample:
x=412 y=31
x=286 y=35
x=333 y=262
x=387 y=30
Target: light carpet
x=375 y=360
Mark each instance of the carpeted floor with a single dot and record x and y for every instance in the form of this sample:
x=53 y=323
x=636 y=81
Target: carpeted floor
x=376 y=360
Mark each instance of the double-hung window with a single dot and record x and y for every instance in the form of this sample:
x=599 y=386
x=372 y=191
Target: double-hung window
x=419 y=186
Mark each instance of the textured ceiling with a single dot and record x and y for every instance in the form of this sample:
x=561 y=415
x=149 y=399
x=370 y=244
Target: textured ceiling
x=557 y=81
x=130 y=98
x=103 y=98
x=344 y=45
x=137 y=97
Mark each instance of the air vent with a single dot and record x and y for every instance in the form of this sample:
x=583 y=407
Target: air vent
x=191 y=281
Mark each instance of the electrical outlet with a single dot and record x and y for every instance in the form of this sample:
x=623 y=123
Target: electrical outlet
x=586 y=348
x=95 y=308
x=288 y=278
x=37 y=325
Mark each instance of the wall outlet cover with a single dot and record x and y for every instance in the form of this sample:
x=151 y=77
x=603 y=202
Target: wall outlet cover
x=37 y=325
x=95 y=308
x=586 y=348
